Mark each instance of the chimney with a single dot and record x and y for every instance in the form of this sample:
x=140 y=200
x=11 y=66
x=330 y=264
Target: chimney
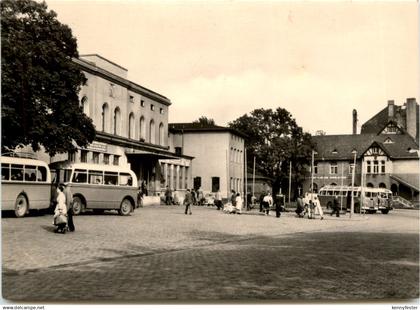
x=411 y=117
x=391 y=109
x=354 y=121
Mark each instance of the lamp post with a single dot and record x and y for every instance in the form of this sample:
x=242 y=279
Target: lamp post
x=312 y=171
x=352 y=183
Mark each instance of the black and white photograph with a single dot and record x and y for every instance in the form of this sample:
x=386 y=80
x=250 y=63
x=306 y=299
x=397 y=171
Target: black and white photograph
x=214 y=153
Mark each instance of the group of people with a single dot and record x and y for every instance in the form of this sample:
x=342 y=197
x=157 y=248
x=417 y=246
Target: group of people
x=267 y=202
x=309 y=208
x=63 y=212
x=197 y=196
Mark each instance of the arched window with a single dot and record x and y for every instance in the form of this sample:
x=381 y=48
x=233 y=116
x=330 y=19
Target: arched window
x=382 y=185
x=105 y=115
x=161 y=134
x=142 y=134
x=369 y=185
x=117 y=121
x=152 y=133
x=330 y=184
x=131 y=126
x=85 y=105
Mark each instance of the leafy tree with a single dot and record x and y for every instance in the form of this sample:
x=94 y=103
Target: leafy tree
x=40 y=82
x=203 y=120
x=275 y=139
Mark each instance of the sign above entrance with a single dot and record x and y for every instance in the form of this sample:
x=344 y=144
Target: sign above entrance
x=97 y=147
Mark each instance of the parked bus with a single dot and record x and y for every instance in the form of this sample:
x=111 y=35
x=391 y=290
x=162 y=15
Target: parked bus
x=375 y=199
x=26 y=184
x=98 y=187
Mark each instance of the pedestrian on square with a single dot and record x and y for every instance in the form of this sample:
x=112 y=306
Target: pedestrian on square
x=278 y=205
x=336 y=208
x=69 y=205
x=168 y=195
x=144 y=187
x=238 y=203
x=267 y=203
x=261 y=201
x=188 y=201
x=194 y=197
x=311 y=209
x=218 y=200
x=233 y=198
x=248 y=201
x=60 y=211
x=300 y=209
x=318 y=208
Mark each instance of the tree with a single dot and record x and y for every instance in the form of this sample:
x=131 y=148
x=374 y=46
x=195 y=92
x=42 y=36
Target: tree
x=203 y=120
x=40 y=82
x=275 y=139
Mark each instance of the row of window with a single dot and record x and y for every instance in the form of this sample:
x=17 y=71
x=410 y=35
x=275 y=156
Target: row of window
x=235 y=155
x=102 y=177
x=372 y=167
x=215 y=183
x=140 y=134
x=106 y=159
x=25 y=173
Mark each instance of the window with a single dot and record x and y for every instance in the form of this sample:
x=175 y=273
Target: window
x=382 y=166
x=161 y=134
x=131 y=99
x=117 y=121
x=116 y=160
x=152 y=107
x=16 y=173
x=178 y=150
x=186 y=177
x=95 y=157
x=79 y=176
x=152 y=133
x=215 y=184
x=111 y=90
x=5 y=171
x=161 y=111
x=71 y=156
x=125 y=179
x=105 y=112
x=315 y=168
x=42 y=174
x=30 y=173
x=131 y=126
x=142 y=129
x=83 y=156
x=351 y=167
x=197 y=183
x=333 y=168
x=95 y=177
x=106 y=159
x=85 y=106
x=375 y=167
x=111 y=178
x=142 y=103
x=368 y=167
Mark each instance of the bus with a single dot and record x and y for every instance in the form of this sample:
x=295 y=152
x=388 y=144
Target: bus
x=97 y=187
x=26 y=184
x=374 y=199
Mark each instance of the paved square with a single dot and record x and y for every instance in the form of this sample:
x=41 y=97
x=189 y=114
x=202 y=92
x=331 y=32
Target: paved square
x=159 y=253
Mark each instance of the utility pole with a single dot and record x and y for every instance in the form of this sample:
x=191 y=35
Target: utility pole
x=352 y=184
x=253 y=179
x=290 y=179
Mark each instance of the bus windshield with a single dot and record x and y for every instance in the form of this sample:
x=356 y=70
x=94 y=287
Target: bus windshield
x=61 y=175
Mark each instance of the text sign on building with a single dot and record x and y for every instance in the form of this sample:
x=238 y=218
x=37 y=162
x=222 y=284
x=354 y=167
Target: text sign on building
x=97 y=147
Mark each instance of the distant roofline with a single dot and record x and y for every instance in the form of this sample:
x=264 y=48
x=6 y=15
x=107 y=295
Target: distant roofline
x=111 y=62
x=209 y=128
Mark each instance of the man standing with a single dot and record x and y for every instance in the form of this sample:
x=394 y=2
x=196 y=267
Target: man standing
x=318 y=207
x=336 y=208
x=267 y=202
x=69 y=204
x=233 y=198
x=168 y=196
x=188 y=201
x=218 y=200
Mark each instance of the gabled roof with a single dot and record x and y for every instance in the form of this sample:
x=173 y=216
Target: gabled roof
x=345 y=144
x=198 y=127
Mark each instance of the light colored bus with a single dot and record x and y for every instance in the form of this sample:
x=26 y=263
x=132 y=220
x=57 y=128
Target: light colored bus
x=98 y=187
x=374 y=199
x=25 y=185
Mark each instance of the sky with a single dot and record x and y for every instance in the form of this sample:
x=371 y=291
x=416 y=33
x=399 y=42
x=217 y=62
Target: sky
x=222 y=59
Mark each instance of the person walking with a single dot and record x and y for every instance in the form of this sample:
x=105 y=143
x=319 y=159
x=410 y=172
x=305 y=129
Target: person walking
x=188 y=200
x=300 y=209
x=69 y=204
x=218 y=200
x=168 y=196
x=278 y=205
x=238 y=203
x=318 y=208
x=233 y=198
x=267 y=202
x=60 y=211
x=336 y=208
x=261 y=201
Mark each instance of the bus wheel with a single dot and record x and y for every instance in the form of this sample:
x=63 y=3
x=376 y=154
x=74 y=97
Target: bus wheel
x=21 y=206
x=125 y=207
x=77 y=206
x=384 y=211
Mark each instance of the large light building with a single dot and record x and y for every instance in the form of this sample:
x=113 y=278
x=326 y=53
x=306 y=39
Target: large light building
x=131 y=124
x=386 y=154
x=219 y=155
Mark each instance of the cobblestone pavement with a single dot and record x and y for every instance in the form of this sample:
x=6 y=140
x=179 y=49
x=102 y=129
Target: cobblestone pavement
x=159 y=253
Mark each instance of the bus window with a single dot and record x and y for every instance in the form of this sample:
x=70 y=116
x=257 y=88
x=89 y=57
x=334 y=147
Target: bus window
x=330 y=193
x=111 y=178
x=322 y=193
x=5 y=172
x=95 y=177
x=125 y=179
x=17 y=173
x=30 y=173
x=41 y=174
x=80 y=176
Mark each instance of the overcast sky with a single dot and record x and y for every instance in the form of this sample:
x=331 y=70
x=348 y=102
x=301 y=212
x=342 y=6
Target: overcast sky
x=222 y=59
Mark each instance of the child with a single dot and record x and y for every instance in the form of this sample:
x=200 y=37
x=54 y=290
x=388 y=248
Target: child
x=60 y=212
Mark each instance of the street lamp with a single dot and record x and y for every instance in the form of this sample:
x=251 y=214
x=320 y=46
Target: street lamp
x=352 y=183
x=312 y=171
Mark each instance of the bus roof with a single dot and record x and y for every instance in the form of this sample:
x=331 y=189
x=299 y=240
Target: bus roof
x=68 y=165
x=356 y=188
x=23 y=161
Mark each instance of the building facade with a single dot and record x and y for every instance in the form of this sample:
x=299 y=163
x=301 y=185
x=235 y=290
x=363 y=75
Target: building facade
x=218 y=152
